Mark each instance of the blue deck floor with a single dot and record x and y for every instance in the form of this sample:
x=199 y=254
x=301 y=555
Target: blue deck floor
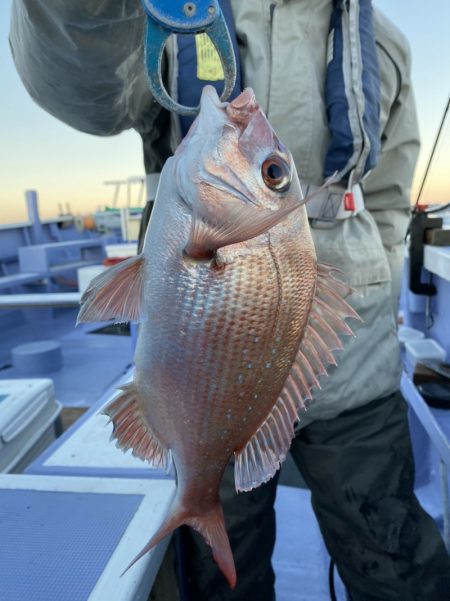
x=300 y=559
x=89 y=366
x=92 y=362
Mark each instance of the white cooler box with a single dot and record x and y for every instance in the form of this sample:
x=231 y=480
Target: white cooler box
x=28 y=412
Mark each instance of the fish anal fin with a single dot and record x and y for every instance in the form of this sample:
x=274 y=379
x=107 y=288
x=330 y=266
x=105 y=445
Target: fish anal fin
x=115 y=293
x=131 y=430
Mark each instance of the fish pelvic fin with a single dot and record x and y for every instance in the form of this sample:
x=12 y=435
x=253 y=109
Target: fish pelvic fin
x=115 y=293
x=263 y=454
x=132 y=431
x=212 y=528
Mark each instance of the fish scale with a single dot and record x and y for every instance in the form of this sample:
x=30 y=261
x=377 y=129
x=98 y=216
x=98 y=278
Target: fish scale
x=203 y=334
x=237 y=319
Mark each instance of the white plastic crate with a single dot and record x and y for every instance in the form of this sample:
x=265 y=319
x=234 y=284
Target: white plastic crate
x=419 y=350
x=407 y=334
x=28 y=412
x=123 y=251
x=87 y=274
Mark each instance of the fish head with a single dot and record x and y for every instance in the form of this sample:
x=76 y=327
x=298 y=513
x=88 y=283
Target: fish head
x=232 y=155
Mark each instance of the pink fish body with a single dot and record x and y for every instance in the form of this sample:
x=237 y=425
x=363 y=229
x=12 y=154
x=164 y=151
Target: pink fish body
x=237 y=319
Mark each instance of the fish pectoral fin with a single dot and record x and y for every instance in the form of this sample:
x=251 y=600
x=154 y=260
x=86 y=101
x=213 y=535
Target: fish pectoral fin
x=229 y=224
x=115 y=293
x=262 y=456
x=132 y=431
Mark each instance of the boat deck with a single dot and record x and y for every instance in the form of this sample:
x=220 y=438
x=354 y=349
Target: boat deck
x=96 y=359
x=89 y=366
x=89 y=377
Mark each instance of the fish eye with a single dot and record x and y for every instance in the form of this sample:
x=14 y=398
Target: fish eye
x=276 y=173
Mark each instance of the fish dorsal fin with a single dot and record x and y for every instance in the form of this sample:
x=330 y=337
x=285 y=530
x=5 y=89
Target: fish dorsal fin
x=115 y=293
x=261 y=457
x=132 y=431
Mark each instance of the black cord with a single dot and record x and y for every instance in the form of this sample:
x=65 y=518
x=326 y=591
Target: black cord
x=331 y=581
x=433 y=151
x=437 y=209
x=429 y=319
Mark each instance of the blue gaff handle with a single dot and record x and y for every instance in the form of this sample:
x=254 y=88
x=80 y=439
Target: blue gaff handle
x=182 y=16
x=163 y=20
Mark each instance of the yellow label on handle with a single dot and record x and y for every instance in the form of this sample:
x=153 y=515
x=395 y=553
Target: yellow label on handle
x=209 y=66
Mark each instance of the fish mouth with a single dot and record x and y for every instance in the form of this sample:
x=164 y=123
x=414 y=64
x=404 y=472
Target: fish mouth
x=210 y=97
x=210 y=102
x=215 y=116
x=245 y=103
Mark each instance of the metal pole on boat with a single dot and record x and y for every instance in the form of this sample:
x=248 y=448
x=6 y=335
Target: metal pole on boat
x=31 y=198
x=47 y=299
x=124 y=214
x=117 y=185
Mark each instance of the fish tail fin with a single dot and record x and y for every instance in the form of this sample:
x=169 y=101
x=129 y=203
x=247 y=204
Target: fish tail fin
x=173 y=520
x=212 y=527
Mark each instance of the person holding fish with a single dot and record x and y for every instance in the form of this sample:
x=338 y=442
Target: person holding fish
x=236 y=289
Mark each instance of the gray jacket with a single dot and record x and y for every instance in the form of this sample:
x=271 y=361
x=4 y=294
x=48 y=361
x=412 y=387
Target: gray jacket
x=83 y=63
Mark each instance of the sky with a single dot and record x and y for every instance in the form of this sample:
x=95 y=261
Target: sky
x=69 y=168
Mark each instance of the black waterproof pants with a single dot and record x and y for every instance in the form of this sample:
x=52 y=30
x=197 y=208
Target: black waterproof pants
x=360 y=471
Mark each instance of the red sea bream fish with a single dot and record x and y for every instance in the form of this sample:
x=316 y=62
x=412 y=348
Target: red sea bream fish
x=237 y=318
